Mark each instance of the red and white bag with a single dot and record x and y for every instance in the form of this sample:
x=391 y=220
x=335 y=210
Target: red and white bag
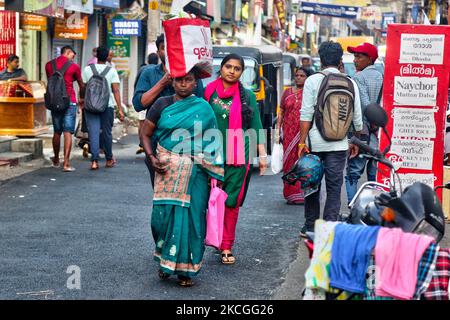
x=188 y=44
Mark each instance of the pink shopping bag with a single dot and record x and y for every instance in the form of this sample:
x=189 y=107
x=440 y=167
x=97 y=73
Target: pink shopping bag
x=215 y=216
x=188 y=44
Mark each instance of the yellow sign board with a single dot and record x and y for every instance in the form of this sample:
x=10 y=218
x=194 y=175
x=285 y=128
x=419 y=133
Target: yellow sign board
x=351 y=41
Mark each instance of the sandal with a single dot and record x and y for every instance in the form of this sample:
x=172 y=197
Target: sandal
x=185 y=281
x=110 y=163
x=228 y=258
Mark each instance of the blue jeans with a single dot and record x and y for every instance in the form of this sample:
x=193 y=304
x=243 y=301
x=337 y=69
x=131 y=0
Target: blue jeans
x=334 y=164
x=65 y=121
x=355 y=169
x=100 y=121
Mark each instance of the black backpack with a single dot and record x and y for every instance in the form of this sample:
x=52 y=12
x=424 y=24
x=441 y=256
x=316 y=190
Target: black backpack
x=56 y=98
x=97 y=91
x=335 y=106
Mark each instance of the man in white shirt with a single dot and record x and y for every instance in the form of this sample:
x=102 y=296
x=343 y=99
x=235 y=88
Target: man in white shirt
x=103 y=122
x=332 y=153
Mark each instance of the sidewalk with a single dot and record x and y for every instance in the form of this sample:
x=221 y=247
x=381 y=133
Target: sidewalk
x=120 y=130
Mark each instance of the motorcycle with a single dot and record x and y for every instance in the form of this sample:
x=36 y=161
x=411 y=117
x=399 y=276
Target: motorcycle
x=416 y=209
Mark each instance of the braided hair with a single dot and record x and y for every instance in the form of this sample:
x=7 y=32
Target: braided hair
x=247 y=111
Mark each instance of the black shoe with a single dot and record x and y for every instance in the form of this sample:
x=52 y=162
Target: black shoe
x=303 y=232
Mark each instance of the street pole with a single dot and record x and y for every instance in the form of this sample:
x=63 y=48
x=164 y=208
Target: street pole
x=305 y=34
x=153 y=24
x=251 y=20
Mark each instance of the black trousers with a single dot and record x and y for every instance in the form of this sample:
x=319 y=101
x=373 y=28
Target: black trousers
x=334 y=164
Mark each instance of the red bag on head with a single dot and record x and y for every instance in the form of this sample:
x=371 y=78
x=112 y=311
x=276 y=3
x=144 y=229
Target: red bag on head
x=188 y=44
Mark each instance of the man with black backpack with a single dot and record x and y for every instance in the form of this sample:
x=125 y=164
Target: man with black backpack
x=102 y=95
x=61 y=100
x=330 y=106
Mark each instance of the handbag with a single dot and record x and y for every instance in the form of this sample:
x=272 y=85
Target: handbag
x=277 y=158
x=215 y=216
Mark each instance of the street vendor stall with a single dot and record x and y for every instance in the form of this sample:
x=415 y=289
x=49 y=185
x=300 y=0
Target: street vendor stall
x=22 y=108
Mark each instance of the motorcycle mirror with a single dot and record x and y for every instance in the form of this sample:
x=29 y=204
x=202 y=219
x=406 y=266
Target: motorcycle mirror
x=376 y=115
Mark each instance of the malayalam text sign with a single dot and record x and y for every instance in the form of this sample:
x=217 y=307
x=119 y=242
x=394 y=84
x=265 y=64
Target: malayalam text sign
x=415 y=91
x=422 y=48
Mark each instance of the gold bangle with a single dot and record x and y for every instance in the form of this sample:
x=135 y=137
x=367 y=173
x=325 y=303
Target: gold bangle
x=301 y=145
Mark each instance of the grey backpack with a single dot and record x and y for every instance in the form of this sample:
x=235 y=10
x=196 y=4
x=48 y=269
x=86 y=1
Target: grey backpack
x=97 y=91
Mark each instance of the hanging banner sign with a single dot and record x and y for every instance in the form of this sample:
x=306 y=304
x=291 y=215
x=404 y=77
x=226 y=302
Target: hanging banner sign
x=33 y=22
x=371 y=13
x=121 y=48
x=415 y=93
x=83 y=6
x=126 y=28
x=49 y=8
x=107 y=3
x=72 y=27
x=8 y=36
x=388 y=18
x=330 y=10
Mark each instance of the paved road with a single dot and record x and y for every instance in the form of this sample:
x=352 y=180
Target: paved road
x=100 y=222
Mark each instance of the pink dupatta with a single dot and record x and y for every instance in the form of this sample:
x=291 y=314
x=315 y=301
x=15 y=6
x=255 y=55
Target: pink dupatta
x=235 y=138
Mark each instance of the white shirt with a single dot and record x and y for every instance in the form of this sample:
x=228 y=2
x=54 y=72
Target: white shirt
x=309 y=100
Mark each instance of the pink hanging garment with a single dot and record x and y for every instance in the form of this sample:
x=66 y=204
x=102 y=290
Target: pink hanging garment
x=397 y=257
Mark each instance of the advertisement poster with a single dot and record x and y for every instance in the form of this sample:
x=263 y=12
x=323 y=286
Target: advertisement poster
x=415 y=93
x=74 y=26
x=120 y=46
x=7 y=36
x=33 y=22
x=83 y=6
x=107 y=3
x=49 y=8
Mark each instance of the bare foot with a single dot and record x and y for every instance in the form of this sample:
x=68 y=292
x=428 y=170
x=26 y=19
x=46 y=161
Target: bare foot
x=55 y=162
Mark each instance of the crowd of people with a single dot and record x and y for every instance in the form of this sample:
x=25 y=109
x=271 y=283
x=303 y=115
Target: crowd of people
x=167 y=105
x=179 y=215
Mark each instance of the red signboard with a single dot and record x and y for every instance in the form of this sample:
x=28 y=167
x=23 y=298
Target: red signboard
x=415 y=93
x=7 y=36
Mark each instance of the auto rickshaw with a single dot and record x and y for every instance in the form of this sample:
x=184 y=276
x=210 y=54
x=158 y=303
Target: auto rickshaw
x=290 y=62
x=263 y=74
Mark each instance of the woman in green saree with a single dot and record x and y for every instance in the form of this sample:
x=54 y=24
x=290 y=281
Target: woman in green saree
x=238 y=117
x=184 y=161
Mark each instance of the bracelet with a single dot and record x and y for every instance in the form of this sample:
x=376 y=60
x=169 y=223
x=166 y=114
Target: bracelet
x=301 y=145
x=263 y=156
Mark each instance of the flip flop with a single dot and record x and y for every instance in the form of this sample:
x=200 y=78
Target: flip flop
x=69 y=169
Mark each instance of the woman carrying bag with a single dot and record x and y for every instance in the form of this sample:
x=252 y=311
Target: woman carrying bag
x=288 y=122
x=236 y=111
x=183 y=168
